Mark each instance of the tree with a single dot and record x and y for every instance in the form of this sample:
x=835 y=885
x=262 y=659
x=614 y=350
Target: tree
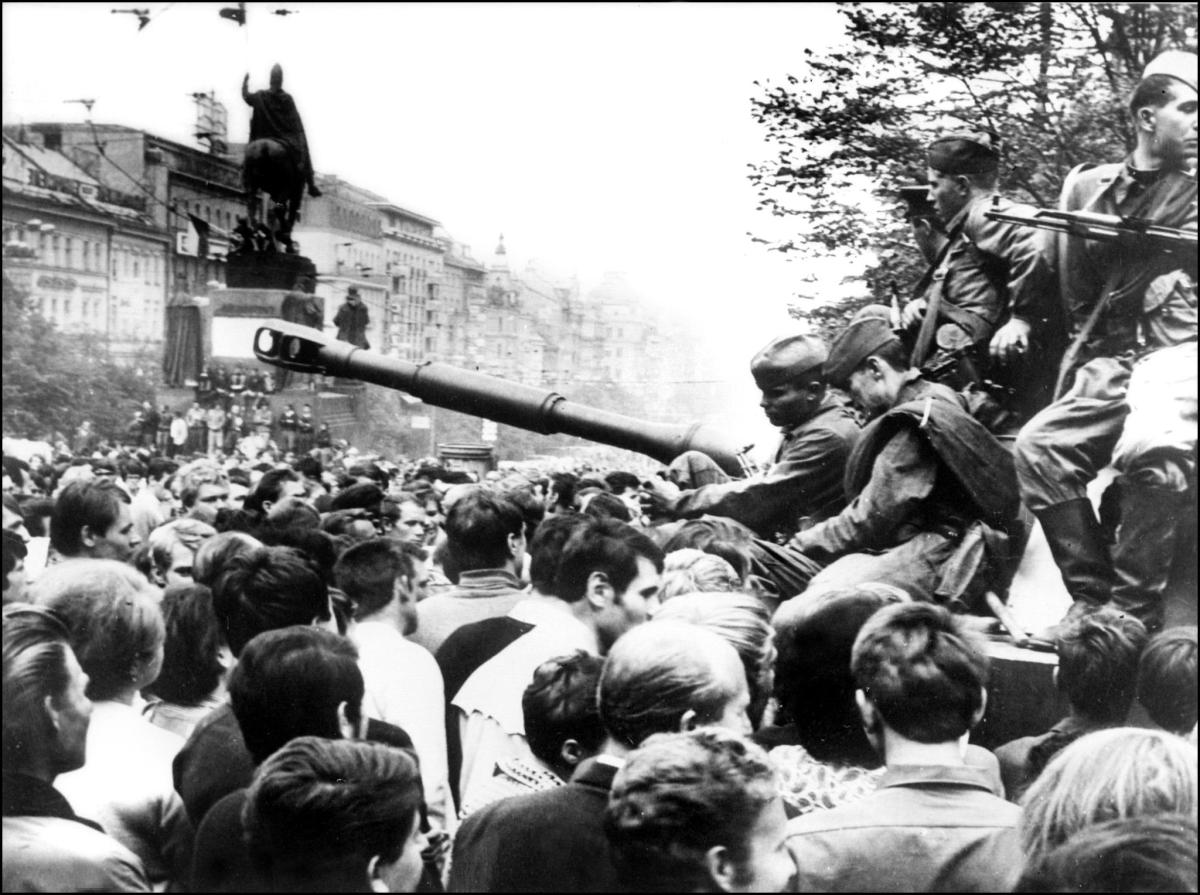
x=54 y=382
x=1049 y=78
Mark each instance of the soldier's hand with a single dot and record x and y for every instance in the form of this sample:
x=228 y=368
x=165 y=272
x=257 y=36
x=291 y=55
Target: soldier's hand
x=1011 y=341
x=653 y=496
x=912 y=313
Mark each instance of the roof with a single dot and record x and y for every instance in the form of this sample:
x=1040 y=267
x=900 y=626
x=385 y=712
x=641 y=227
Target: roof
x=51 y=161
x=406 y=212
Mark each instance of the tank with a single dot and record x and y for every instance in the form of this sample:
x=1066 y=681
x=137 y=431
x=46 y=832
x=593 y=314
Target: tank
x=306 y=350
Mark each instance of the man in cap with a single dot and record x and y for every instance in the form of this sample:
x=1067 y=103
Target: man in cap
x=805 y=479
x=275 y=116
x=989 y=285
x=921 y=214
x=923 y=482
x=352 y=320
x=1126 y=304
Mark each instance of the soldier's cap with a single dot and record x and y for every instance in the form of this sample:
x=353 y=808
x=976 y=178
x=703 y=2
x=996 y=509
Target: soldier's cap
x=868 y=331
x=786 y=359
x=917 y=203
x=964 y=153
x=1177 y=64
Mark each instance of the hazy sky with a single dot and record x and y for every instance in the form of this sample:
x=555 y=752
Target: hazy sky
x=593 y=136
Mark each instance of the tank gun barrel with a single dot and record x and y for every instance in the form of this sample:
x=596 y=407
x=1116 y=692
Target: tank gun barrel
x=307 y=350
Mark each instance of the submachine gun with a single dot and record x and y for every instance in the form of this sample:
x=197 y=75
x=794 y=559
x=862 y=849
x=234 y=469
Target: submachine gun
x=1138 y=232
x=306 y=350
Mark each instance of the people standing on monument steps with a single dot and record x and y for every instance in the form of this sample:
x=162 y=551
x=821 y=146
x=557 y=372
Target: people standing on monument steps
x=1130 y=373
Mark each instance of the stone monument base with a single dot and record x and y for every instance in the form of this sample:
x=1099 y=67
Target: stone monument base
x=266 y=270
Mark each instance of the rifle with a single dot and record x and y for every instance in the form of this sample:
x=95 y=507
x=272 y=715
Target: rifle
x=1130 y=231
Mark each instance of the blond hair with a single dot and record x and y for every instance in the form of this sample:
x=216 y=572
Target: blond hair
x=1122 y=772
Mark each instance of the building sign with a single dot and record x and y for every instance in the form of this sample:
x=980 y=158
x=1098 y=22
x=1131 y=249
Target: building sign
x=50 y=282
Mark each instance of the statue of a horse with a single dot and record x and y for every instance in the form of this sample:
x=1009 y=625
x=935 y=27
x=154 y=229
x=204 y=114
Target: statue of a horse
x=270 y=168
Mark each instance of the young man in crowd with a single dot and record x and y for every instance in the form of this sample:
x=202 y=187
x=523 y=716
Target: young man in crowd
x=91 y=520
x=933 y=823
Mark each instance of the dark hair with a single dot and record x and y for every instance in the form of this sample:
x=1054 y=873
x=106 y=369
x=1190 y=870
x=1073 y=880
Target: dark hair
x=813 y=683
x=266 y=589
x=604 y=505
x=619 y=481
x=657 y=672
x=545 y=550
x=191 y=668
x=94 y=504
x=159 y=467
x=321 y=809
x=318 y=548
x=268 y=489
x=564 y=485
x=214 y=554
x=14 y=551
x=1097 y=664
x=363 y=495
x=35 y=646
x=369 y=470
x=560 y=705
x=35 y=510
x=367 y=572
x=677 y=797
x=309 y=467
x=113 y=616
x=922 y=671
x=477 y=529
x=725 y=538
x=532 y=509
x=607 y=546
x=1156 y=91
x=132 y=468
x=289 y=683
x=1167 y=679
x=293 y=512
x=892 y=353
x=1154 y=853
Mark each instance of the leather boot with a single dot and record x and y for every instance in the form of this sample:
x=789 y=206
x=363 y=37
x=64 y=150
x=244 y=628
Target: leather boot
x=1144 y=550
x=1079 y=549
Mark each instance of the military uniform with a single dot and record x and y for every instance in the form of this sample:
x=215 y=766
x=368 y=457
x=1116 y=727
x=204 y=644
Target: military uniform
x=1133 y=312
x=803 y=483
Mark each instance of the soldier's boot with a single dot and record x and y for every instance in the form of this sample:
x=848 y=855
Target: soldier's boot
x=1080 y=551
x=1147 y=536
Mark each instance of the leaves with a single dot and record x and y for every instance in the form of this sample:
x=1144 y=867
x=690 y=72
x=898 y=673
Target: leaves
x=851 y=123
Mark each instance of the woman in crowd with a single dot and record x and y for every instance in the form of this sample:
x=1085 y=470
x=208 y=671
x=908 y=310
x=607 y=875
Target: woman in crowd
x=196 y=661
x=117 y=632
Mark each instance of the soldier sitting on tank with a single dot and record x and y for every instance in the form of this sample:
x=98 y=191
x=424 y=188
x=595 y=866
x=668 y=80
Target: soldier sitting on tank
x=927 y=484
x=804 y=481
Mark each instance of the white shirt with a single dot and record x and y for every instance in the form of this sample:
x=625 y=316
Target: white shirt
x=404 y=687
x=126 y=786
x=491 y=720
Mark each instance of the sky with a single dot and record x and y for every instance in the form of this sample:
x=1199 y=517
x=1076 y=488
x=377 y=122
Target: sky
x=595 y=137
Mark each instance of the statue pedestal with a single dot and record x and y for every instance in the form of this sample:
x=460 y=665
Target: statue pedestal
x=266 y=270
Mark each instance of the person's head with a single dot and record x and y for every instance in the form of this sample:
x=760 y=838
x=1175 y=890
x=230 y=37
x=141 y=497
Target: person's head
x=115 y=623
x=336 y=814
x=868 y=360
x=411 y=523
x=920 y=675
x=293 y=512
x=1113 y=774
x=266 y=589
x=814 y=637
x=352 y=296
x=1167 y=679
x=562 y=719
x=603 y=505
x=961 y=167
x=667 y=677
x=725 y=538
x=173 y=549
x=276 y=80
x=366 y=496
x=46 y=709
x=15 y=552
x=625 y=485
x=354 y=526
x=274 y=486
x=744 y=623
x=698 y=812
x=560 y=494
x=485 y=530
x=1130 y=854
x=1163 y=109
x=545 y=550
x=690 y=571
x=616 y=569
x=295 y=681
x=384 y=579
x=14 y=518
x=203 y=490
x=788 y=372
x=91 y=519
x=158 y=475
x=1097 y=664
x=195 y=657
x=214 y=554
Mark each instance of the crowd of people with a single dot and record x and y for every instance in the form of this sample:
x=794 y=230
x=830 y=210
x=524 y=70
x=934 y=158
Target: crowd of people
x=310 y=669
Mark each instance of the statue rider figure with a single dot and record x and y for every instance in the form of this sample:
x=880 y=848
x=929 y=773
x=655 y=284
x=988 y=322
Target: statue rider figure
x=275 y=116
